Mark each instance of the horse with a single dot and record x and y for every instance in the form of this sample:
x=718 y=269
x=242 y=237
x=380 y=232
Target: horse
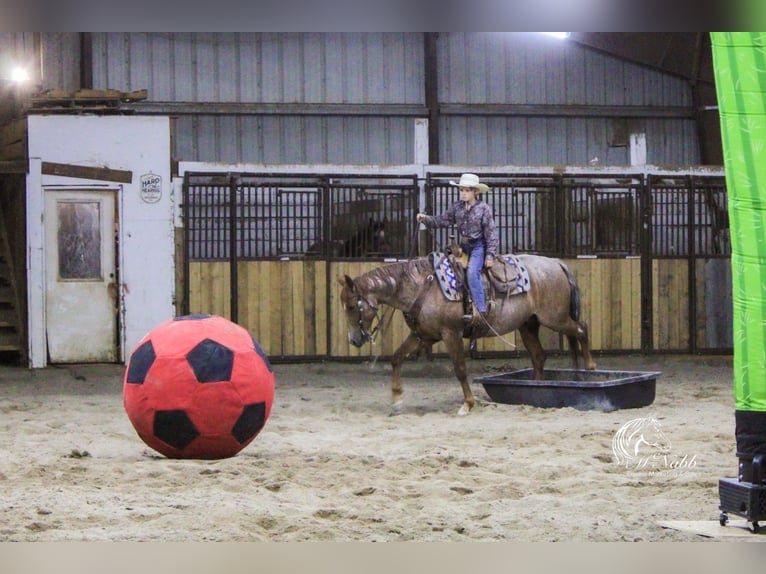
x=368 y=240
x=553 y=301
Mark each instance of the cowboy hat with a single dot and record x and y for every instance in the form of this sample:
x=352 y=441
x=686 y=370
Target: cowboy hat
x=471 y=180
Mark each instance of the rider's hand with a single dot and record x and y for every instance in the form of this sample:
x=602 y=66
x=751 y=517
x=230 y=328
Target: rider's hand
x=420 y=217
x=489 y=262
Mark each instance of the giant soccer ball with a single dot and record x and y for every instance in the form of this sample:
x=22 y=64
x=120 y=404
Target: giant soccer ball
x=198 y=386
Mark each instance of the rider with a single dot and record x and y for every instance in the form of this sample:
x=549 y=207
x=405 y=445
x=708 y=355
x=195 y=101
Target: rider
x=478 y=233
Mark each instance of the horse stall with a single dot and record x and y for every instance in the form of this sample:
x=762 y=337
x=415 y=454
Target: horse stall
x=649 y=250
x=293 y=235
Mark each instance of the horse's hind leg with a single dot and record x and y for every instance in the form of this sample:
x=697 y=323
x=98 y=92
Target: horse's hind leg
x=576 y=333
x=410 y=345
x=530 y=334
x=454 y=343
x=583 y=339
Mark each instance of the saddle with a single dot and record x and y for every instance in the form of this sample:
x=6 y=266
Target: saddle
x=508 y=276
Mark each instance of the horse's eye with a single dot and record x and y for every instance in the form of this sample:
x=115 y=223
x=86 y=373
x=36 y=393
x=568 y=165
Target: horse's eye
x=350 y=307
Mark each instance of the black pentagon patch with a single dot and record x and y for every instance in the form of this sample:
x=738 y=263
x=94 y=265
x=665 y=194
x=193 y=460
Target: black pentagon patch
x=262 y=353
x=211 y=361
x=250 y=422
x=174 y=428
x=140 y=362
x=191 y=317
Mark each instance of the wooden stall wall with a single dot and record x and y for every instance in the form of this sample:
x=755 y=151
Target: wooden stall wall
x=670 y=305
x=284 y=304
x=647 y=299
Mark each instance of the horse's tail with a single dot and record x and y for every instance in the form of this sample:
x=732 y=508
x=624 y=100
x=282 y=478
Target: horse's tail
x=574 y=310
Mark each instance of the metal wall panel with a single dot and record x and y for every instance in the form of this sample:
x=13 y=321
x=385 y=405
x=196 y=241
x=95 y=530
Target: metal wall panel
x=526 y=68
x=295 y=139
x=16 y=49
x=59 y=66
x=521 y=69
x=492 y=140
x=263 y=67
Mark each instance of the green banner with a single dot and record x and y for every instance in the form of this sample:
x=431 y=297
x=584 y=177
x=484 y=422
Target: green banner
x=739 y=60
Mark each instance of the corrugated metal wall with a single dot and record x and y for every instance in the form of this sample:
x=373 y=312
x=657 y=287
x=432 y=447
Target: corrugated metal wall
x=386 y=69
x=527 y=69
x=263 y=67
x=295 y=139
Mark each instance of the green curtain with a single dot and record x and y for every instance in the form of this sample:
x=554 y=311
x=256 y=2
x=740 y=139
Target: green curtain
x=739 y=60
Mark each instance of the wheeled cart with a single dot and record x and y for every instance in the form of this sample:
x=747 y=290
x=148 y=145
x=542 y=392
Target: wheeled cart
x=745 y=496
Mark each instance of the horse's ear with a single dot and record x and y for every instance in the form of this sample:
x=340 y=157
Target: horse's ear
x=350 y=282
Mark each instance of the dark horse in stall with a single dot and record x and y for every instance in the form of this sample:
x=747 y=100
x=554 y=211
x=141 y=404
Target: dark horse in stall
x=369 y=240
x=366 y=241
x=552 y=301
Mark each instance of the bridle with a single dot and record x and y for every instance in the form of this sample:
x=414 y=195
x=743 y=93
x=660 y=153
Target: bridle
x=361 y=300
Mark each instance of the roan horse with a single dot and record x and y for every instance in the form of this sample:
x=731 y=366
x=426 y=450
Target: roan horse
x=552 y=301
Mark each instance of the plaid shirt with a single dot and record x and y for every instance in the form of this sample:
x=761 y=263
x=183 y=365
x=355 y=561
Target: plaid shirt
x=474 y=223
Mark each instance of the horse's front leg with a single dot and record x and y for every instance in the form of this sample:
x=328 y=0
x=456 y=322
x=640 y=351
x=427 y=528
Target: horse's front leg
x=410 y=345
x=454 y=342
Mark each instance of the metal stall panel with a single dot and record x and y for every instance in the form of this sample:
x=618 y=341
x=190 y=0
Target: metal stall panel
x=293 y=234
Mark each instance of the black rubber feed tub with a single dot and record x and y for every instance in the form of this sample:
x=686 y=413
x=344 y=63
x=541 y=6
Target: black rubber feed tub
x=579 y=389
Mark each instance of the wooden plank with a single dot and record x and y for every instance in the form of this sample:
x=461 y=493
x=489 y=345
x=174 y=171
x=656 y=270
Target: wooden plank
x=13 y=132
x=321 y=311
x=616 y=303
x=297 y=286
x=597 y=304
x=309 y=306
x=274 y=309
x=671 y=304
x=14 y=167
x=630 y=293
x=259 y=297
x=86 y=172
x=209 y=288
x=656 y=299
x=219 y=301
x=194 y=287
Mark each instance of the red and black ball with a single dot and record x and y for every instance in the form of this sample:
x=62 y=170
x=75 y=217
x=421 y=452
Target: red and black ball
x=198 y=386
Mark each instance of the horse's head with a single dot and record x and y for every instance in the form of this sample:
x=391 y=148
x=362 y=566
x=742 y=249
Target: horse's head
x=377 y=232
x=360 y=310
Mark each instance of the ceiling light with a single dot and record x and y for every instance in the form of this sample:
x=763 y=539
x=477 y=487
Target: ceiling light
x=19 y=75
x=560 y=35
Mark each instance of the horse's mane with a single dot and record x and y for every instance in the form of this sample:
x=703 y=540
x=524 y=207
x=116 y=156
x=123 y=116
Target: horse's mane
x=393 y=275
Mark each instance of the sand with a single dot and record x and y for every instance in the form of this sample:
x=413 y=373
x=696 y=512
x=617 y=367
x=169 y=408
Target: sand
x=331 y=464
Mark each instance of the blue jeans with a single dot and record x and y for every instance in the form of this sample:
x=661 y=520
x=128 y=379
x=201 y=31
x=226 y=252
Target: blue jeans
x=475 y=264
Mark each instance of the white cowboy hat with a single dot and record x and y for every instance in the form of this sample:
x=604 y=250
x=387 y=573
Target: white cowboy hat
x=471 y=180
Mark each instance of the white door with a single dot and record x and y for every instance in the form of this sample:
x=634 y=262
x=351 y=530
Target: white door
x=81 y=296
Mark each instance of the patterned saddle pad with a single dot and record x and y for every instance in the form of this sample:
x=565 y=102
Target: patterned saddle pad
x=448 y=279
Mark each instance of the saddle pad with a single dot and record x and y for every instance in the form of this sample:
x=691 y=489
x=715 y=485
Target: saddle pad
x=522 y=275
x=446 y=276
x=448 y=281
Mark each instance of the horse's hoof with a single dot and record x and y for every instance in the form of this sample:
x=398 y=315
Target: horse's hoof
x=463 y=411
x=396 y=408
